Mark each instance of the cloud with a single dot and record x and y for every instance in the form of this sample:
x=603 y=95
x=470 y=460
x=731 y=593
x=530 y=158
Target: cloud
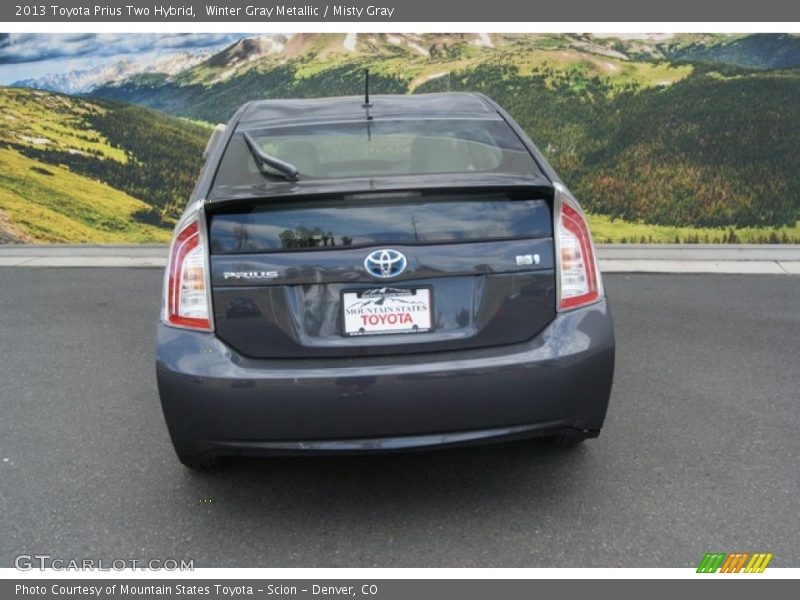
x=16 y=48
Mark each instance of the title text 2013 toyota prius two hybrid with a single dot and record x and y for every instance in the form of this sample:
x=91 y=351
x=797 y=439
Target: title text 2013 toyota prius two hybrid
x=356 y=276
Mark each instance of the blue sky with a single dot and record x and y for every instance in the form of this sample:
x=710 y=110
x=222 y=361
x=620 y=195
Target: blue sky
x=31 y=55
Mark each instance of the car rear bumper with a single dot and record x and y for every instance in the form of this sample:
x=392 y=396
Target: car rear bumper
x=218 y=401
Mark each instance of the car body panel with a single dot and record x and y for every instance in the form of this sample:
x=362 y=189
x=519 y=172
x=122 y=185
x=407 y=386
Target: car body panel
x=395 y=183
x=216 y=400
x=445 y=105
x=481 y=297
x=292 y=383
x=285 y=111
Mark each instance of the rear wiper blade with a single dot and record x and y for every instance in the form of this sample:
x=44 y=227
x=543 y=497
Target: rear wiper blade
x=288 y=170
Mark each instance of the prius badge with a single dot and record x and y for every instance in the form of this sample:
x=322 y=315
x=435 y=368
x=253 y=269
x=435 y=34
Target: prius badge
x=249 y=275
x=385 y=263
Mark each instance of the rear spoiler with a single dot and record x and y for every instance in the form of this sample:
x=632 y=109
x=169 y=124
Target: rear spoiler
x=425 y=183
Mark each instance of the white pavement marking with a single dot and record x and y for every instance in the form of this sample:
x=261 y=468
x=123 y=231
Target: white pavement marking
x=14 y=261
x=790 y=266
x=749 y=267
x=92 y=261
x=682 y=252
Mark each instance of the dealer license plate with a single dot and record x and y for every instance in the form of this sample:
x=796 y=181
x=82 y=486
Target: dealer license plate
x=386 y=310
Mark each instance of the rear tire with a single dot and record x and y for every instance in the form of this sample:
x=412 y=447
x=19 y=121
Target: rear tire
x=569 y=439
x=200 y=462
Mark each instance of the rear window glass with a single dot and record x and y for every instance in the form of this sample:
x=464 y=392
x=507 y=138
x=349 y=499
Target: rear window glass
x=376 y=148
x=325 y=224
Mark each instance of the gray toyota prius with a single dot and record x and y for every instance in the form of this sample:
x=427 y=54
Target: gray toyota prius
x=384 y=274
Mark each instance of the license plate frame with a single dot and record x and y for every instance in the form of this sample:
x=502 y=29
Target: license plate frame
x=416 y=302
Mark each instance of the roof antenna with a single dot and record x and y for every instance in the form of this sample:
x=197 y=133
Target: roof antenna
x=367 y=104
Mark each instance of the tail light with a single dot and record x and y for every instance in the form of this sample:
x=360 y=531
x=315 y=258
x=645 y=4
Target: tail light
x=187 y=283
x=579 y=280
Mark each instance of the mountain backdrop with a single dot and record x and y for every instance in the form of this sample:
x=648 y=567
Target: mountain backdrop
x=85 y=170
x=663 y=138
x=81 y=81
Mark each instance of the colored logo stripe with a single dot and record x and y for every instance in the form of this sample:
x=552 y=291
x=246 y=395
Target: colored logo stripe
x=758 y=563
x=734 y=563
x=711 y=562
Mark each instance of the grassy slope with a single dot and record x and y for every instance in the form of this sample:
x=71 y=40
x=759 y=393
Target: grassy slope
x=57 y=118
x=605 y=229
x=61 y=179
x=46 y=203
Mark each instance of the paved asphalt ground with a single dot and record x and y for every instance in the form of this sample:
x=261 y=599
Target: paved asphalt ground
x=700 y=451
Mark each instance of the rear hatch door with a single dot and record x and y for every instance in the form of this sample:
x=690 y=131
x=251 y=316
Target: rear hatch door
x=372 y=274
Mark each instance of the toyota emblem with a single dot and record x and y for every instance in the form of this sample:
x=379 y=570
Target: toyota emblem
x=385 y=263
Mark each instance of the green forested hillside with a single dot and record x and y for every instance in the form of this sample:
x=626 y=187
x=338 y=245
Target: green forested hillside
x=662 y=139
x=648 y=141
x=216 y=103
x=760 y=51
x=78 y=170
x=712 y=150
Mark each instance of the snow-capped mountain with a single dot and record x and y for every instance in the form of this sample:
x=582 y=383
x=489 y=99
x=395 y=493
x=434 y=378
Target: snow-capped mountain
x=83 y=81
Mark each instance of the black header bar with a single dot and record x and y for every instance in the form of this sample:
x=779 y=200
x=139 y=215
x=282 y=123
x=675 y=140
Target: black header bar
x=473 y=11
